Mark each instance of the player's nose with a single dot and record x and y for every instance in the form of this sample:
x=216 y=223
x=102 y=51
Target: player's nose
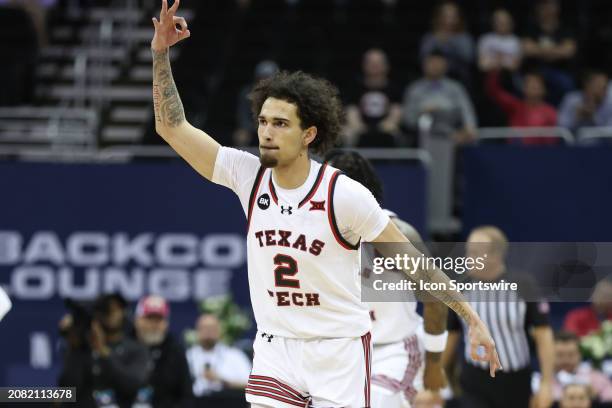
x=265 y=133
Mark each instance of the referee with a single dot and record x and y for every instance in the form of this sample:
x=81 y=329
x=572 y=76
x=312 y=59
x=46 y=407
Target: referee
x=511 y=320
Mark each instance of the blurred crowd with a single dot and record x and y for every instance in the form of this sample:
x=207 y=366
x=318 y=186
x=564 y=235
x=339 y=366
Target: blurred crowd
x=522 y=64
x=116 y=358
x=528 y=79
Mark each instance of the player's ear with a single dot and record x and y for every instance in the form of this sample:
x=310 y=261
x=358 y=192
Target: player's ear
x=309 y=135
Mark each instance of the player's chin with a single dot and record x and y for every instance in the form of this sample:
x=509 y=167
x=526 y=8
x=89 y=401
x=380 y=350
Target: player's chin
x=268 y=159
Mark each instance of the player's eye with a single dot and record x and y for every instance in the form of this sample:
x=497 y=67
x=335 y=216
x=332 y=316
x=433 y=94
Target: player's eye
x=262 y=122
x=280 y=124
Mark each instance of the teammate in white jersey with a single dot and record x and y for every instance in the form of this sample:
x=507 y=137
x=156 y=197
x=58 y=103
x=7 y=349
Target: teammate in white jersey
x=407 y=348
x=304 y=226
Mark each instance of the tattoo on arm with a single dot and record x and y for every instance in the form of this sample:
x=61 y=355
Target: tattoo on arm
x=166 y=101
x=450 y=298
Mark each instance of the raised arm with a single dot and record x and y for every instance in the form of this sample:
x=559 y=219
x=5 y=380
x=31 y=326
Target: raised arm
x=192 y=144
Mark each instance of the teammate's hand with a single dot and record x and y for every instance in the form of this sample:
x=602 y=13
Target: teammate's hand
x=434 y=378
x=166 y=33
x=482 y=346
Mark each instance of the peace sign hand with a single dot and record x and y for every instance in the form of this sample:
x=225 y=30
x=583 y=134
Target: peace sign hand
x=166 y=33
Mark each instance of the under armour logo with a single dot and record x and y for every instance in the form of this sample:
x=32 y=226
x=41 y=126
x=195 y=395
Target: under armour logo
x=267 y=336
x=288 y=209
x=317 y=205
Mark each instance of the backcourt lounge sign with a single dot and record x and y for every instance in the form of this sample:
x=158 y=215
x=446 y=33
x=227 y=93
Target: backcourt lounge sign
x=83 y=264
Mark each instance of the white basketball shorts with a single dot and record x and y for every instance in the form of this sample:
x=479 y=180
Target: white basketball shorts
x=398 y=367
x=317 y=373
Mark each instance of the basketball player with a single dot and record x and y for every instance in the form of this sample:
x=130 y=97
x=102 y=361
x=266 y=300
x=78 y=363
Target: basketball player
x=304 y=225
x=407 y=352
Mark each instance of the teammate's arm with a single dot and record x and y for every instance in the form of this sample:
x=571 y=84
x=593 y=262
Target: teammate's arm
x=193 y=145
x=448 y=355
x=479 y=335
x=435 y=315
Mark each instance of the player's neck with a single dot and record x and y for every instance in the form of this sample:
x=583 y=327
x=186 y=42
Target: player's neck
x=292 y=175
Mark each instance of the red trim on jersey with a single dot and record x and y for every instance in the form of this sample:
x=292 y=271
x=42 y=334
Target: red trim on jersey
x=412 y=367
x=315 y=186
x=332 y=217
x=272 y=190
x=388 y=383
x=253 y=197
x=367 y=348
x=411 y=345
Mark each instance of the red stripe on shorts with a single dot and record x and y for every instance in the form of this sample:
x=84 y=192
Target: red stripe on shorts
x=278 y=385
x=274 y=397
x=367 y=347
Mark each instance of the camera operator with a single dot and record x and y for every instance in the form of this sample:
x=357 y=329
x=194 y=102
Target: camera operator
x=102 y=362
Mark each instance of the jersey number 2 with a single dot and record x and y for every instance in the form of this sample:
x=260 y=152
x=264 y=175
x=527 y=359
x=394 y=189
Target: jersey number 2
x=285 y=266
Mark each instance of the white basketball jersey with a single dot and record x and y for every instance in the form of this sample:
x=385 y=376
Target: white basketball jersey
x=303 y=275
x=394 y=321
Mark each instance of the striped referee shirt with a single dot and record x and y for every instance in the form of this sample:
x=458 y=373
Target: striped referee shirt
x=509 y=318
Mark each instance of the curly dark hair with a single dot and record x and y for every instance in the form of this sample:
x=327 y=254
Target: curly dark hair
x=317 y=101
x=358 y=168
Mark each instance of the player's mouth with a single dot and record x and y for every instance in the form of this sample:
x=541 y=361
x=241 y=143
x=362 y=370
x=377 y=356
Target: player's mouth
x=262 y=147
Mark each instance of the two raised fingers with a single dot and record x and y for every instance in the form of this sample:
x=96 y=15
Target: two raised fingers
x=168 y=12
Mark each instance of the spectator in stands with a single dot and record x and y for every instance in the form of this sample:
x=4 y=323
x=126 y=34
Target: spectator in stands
x=552 y=48
x=215 y=366
x=443 y=101
x=428 y=399
x=450 y=36
x=569 y=369
x=246 y=133
x=103 y=362
x=374 y=112
x=440 y=110
x=576 y=396
x=501 y=48
x=531 y=111
x=585 y=320
x=590 y=107
x=169 y=385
